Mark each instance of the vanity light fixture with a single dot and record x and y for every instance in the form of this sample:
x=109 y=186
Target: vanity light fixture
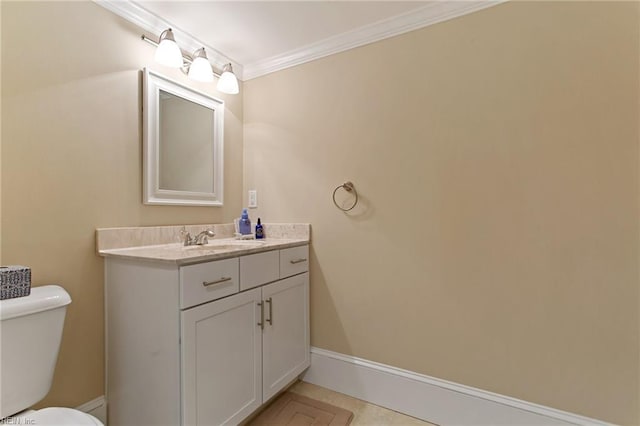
x=200 y=69
x=197 y=67
x=228 y=83
x=168 y=53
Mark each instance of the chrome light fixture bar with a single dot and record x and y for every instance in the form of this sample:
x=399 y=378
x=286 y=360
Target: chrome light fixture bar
x=197 y=66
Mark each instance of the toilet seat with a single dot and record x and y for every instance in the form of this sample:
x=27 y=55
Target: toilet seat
x=59 y=416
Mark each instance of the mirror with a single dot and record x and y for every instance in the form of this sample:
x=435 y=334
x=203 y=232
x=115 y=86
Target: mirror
x=183 y=146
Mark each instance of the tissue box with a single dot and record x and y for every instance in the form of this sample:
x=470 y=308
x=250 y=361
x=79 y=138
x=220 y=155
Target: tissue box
x=15 y=281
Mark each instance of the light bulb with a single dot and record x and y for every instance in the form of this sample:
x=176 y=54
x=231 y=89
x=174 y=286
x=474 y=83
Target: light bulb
x=228 y=83
x=168 y=53
x=200 y=69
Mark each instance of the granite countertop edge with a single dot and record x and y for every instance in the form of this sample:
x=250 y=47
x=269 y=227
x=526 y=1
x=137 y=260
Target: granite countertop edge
x=175 y=254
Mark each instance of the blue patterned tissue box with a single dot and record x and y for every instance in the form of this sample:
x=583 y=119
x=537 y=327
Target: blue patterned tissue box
x=15 y=281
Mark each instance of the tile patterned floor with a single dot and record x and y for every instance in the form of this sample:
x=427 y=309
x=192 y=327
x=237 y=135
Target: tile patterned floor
x=365 y=414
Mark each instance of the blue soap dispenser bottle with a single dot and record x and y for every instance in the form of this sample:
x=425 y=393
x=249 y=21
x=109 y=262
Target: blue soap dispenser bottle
x=259 y=230
x=245 y=223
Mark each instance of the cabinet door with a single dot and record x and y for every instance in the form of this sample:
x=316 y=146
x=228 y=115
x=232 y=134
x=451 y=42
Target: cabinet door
x=221 y=360
x=285 y=340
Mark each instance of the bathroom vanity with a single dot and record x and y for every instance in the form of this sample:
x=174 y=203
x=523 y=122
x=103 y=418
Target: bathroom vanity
x=204 y=335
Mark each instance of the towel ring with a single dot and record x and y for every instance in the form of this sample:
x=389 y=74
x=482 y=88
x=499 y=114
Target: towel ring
x=347 y=186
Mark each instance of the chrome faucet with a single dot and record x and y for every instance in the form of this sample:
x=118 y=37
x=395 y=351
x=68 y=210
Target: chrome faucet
x=200 y=239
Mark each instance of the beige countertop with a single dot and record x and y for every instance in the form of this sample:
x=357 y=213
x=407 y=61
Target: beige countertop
x=223 y=248
x=160 y=243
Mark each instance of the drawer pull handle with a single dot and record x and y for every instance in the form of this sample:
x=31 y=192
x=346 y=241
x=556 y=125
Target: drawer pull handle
x=270 y=319
x=220 y=281
x=261 y=323
x=293 y=262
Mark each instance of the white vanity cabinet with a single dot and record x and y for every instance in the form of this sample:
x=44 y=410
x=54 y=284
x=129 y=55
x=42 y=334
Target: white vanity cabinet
x=285 y=338
x=195 y=345
x=222 y=360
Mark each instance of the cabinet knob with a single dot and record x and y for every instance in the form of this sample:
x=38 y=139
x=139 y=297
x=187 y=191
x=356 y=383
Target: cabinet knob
x=293 y=262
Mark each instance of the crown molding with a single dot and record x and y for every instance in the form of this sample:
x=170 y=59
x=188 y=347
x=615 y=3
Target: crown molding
x=154 y=24
x=433 y=13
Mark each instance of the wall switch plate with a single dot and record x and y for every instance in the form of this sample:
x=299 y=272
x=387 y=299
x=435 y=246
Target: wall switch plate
x=253 y=198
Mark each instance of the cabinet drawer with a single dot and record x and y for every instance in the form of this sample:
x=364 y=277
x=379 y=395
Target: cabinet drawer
x=208 y=281
x=294 y=261
x=260 y=268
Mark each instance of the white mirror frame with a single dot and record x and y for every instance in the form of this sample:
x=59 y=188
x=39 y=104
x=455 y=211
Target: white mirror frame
x=152 y=193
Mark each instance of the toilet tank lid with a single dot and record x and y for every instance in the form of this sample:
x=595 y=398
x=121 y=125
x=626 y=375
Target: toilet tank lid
x=41 y=299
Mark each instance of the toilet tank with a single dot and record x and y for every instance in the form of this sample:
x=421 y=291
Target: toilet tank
x=30 y=334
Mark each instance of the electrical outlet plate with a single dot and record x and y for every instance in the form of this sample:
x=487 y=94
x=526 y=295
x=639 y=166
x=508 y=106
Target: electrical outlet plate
x=253 y=198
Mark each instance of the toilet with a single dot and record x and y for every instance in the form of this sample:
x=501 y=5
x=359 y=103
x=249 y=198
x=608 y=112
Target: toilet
x=30 y=335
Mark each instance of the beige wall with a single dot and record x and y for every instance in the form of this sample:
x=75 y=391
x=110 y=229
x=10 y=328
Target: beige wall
x=496 y=240
x=71 y=162
x=495 y=243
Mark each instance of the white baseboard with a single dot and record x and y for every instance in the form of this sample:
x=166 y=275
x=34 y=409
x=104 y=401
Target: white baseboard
x=428 y=398
x=96 y=407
